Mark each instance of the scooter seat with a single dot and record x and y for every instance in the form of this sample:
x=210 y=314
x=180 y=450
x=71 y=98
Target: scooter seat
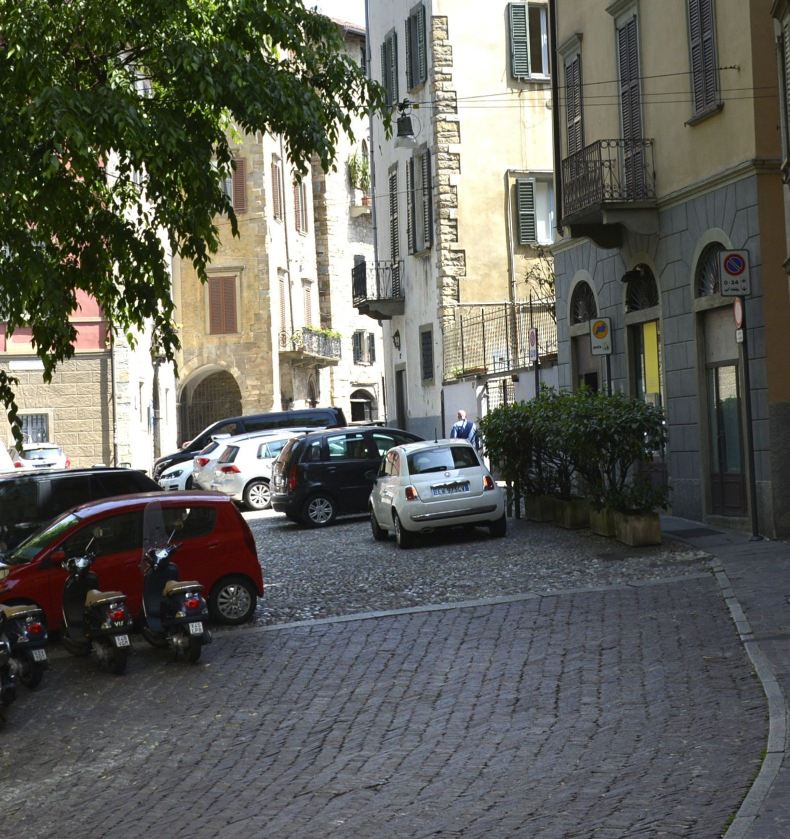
x=94 y=597
x=19 y=611
x=178 y=586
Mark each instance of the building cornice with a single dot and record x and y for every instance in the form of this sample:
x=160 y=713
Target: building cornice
x=755 y=166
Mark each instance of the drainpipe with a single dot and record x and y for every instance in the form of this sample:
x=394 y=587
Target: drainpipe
x=555 y=115
x=287 y=260
x=114 y=398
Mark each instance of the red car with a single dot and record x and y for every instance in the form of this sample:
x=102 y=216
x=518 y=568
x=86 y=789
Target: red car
x=216 y=548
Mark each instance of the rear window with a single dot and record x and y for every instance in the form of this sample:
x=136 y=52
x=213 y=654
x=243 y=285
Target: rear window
x=229 y=455
x=271 y=449
x=189 y=522
x=41 y=454
x=62 y=492
x=442 y=459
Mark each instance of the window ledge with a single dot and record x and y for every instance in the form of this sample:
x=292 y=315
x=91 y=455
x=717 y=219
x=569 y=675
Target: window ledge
x=536 y=81
x=710 y=111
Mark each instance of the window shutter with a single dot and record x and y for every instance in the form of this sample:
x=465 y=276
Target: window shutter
x=385 y=73
x=283 y=318
x=525 y=207
x=630 y=100
x=573 y=105
x=426 y=354
x=708 y=52
x=356 y=347
x=222 y=305
x=394 y=67
x=371 y=348
x=394 y=245
x=422 y=52
x=240 y=185
x=786 y=74
x=427 y=200
x=519 y=41
x=410 y=206
x=214 y=305
x=411 y=52
x=229 y=304
x=277 y=196
x=308 y=304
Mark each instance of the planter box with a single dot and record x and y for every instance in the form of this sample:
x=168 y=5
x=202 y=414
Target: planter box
x=539 y=507
x=573 y=514
x=637 y=529
x=602 y=521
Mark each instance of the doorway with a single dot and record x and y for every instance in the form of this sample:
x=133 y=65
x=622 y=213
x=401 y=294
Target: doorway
x=727 y=474
x=400 y=398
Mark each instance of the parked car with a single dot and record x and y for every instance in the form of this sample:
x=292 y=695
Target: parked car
x=40 y=456
x=329 y=473
x=422 y=487
x=29 y=500
x=306 y=417
x=6 y=464
x=244 y=469
x=177 y=477
x=216 y=548
x=204 y=461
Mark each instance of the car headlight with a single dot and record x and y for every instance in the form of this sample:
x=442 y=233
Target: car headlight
x=177 y=474
x=4 y=571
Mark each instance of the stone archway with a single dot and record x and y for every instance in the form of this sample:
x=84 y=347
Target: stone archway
x=214 y=397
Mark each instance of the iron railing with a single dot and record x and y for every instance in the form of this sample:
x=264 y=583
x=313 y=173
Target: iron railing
x=310 y=342
x=608 y=171
x=377 y=281
x=496 y=338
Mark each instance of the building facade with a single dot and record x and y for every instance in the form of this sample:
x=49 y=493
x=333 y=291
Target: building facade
x=668 y=158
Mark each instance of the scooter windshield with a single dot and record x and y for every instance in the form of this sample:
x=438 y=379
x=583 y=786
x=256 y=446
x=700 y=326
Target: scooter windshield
x=155 y=529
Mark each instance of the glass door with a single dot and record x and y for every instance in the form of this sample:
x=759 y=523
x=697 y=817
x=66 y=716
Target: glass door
x=728 y=481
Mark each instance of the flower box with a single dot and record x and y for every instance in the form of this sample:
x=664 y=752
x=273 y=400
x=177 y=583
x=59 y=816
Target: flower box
x=602 y=521
x=572 y=514
x=637 y=529
x=539 y=507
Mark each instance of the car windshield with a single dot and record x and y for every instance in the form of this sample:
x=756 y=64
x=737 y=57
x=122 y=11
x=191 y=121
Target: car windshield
x=38 y=541
x=441 y=459
x=41 y=454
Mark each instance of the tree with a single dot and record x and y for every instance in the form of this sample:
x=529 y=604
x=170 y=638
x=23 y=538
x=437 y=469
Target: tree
x=115 y=119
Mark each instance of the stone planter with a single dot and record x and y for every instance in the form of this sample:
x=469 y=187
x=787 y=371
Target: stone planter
x=602 y=521
x=572 y=514
x=539 y=507
x=637 y=529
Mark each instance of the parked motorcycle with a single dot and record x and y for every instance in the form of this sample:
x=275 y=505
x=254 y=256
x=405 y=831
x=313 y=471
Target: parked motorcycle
x=7 y=680
x=92 y=619
x=174 y=611
x=25 y=629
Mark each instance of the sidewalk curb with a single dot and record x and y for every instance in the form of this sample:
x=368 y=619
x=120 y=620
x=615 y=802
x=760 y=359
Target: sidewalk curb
x=777 y=713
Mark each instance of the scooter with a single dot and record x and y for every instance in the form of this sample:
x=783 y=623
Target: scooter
x=92 y=619
x=174 y=611
x=25 y=629
x=7 y=680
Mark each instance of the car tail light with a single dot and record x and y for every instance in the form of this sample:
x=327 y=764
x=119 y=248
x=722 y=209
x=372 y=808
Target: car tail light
x=292 y=479
x=118 y=614
x=201 y=461
x=35 y=628
x=411 y=493
x=229 y=470
x=68 y=463
x=18 y=464
x=488 y=482
x=192 y=602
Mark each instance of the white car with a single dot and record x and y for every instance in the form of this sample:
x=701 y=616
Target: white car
x=40 y=456
x=244 y=469
x=204 y=461
x=178 y=476
x=422 y=487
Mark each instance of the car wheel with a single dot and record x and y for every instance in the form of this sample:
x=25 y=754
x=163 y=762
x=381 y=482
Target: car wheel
x=188 y=483
x=318 y=511
x=257 y=495
x=403 y=538
x=379 y=534
x=232 y=601
x=498 y=528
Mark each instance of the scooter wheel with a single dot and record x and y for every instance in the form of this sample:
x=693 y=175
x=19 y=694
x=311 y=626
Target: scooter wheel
x=193 y=650
x=116 y=663
x=31 y=674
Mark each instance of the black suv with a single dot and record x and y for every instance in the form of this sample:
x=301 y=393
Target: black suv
x=29 y=500
x=328 y=473
x=299 y=417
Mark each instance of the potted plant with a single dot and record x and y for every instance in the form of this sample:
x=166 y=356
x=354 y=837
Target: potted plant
x=359 y=174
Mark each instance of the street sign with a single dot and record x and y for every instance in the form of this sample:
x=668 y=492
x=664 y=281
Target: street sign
x=533 y=344
x=734 y=273
x=739 y=336
x=737 y=312
x=601 y=336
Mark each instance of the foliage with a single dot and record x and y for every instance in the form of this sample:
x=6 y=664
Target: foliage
x=541 y=278
x=116 y=116
x=359 y=171
x=323 y=330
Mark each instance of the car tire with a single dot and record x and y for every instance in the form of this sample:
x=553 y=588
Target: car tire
x=379 y=534
x=233 y=600
x=188 y=483
x=403 y=538
x=498 y=528
x=318 y=511
x=257 y=495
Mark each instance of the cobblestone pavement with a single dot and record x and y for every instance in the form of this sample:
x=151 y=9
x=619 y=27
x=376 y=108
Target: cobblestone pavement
x=341 y=570
x=626 y=712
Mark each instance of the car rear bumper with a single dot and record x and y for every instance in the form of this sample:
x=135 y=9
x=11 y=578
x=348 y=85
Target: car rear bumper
x=451 y=514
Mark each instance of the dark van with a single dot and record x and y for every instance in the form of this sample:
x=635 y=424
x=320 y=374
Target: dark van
x=297 y=418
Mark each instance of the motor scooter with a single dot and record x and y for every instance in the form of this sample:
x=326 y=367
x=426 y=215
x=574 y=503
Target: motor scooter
x=174 y=611
x=92 y=619
x=7 y=679
x=25 y=629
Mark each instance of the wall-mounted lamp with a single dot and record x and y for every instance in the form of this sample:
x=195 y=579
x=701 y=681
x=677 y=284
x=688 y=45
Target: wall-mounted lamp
x=396 y=340
x=405 y=138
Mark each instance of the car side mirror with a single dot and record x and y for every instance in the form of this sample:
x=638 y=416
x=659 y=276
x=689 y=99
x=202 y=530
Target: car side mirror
x=186 y=444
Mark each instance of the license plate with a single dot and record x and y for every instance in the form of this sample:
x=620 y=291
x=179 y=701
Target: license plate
x=451 y=489
x=39 y=655
x=121 y=640
x=196 y=628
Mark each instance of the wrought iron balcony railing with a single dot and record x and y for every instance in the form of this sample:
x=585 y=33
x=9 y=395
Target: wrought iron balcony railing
x=608 y=172
x=377 y=288
x=311 y=344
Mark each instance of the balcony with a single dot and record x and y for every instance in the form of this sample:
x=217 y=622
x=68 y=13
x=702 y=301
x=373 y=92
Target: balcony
x=608 y=185
x=310 y=347
x=377 y=289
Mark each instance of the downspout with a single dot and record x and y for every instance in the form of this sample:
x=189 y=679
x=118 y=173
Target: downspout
x=114 y=398
x=555 y=115
x=287 y=260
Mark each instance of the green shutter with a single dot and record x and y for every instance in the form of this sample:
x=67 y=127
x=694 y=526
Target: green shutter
x=519 y=40
x=410 y=52
x=427 y=200
x=525 y=207
x=411 y=208
x=422 y=53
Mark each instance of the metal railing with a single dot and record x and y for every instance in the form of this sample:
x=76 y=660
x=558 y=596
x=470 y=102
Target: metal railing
x=377 y=281
x=311 y=342
x=608 y=171
x=496 y=338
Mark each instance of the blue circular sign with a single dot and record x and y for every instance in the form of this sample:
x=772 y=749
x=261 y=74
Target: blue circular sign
x=734 y=264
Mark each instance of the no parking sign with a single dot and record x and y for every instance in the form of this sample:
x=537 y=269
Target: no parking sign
x=734 y=273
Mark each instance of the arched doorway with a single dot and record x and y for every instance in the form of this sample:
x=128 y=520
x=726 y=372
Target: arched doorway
x=363 y=406
x=642 y=317
x=214 y=397
x=583 y=308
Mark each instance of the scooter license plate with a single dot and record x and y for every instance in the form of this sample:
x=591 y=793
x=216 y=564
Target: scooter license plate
x=196 y=628
x=121 y=640
x=39 y=655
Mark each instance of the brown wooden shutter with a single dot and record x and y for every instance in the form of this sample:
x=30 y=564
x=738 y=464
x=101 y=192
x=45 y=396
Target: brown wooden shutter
x=229 y=304
x=298 y=207
x=215 y=305
x=240 y=185
x=277 y=196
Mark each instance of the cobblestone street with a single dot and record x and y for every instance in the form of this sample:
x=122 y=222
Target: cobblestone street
x=620 y=712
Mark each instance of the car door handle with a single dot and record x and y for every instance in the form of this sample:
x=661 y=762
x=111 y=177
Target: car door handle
x=331 y=468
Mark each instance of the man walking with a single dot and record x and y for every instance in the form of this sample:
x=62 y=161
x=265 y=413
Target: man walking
x=465 y=429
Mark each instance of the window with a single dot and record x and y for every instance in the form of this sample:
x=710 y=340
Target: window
x=535 y=211
x=300 y=207
x=708 y=280
x=389 y=68
x=107 y=536
x=574 y=121
x=702 y=44
x=35 y=428
x=529 y=41
x=307 y=293
x=356 y=346
x=426 y=353
x=235 y=185
x=268 y=451
x=222 y=305
x=363 y=345
x=416 y=56
x=189 y=522
x=347 y=447
x=277 y=188
x=384 y=441
x=419 y=221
